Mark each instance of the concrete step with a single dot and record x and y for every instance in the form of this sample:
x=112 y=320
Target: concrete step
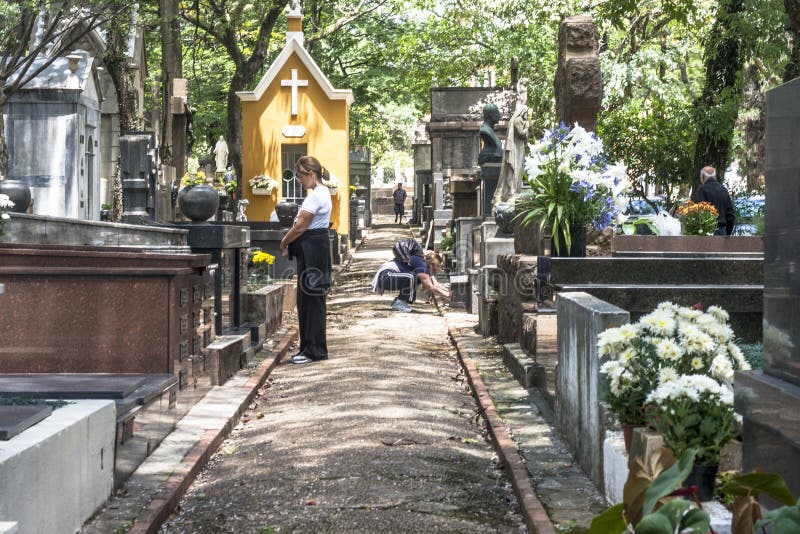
x=523 y=367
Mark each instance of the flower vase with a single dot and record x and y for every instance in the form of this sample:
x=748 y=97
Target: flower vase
x=198 y=203
x=261 y=191
x=18 y=192
x=577 y=248
x=627 y=434
x=702 y=476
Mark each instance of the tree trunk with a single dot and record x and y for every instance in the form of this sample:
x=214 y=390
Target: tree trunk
x=717 y=108
x=116 y=62
x=792 y=70
x=234 y=122
x=171 y=68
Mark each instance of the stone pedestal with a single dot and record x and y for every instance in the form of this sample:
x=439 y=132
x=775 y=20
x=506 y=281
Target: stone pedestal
x=462 y=244
x=769 y=401
x=227 y=244
x=465 y=197
x=489 y=174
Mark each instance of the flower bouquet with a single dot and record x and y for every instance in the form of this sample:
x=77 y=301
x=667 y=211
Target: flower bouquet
x=572 y=184
x=262 y=185
x=670 y=342
x=698 y=218
x=693 y=412
x=5 y=203
x=332 y=183
x=190 y=180
x=262 y=265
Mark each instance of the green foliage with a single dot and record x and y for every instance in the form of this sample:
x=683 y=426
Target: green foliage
x=611 y=521
x=784 y=520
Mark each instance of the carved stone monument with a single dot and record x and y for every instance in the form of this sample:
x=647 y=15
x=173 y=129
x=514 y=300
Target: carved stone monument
x=510 y=181
x=221 y=154
x=578 y=84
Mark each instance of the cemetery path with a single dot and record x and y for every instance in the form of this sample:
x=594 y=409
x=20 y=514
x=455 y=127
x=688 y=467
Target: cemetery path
x=382 y=437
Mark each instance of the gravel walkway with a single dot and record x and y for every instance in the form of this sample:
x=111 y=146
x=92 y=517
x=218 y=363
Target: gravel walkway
x=383 y=437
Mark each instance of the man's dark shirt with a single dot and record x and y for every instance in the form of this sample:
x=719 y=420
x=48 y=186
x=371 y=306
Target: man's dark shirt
x=399 y=196
x=715 y=193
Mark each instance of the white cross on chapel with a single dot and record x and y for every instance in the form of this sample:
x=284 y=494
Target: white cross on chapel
x=294 y=83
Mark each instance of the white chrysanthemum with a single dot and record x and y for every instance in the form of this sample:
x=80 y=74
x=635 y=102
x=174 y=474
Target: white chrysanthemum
x=6 y=202
x=721 y=369
x=612 y=369
x=718 y=313
x=689 y=313
x=667 y=306
x=691 y=386
x=608 y=341
x=695 y=340
x=659 y=322
x=667 y=349
x=628 y=332
x=738 y=357
x=704 y=319
x=722 y=333
x=627 y=355
x=667 y=374
x=697 y=363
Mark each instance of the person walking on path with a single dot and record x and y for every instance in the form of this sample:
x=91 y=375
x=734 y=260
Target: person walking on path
x=399 y=197
x=396 y=275
x=308 y=242
x=712 y=191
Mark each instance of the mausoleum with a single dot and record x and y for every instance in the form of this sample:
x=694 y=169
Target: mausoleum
x=295 y=111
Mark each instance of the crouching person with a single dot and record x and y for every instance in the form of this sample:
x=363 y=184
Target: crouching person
x=403 y=277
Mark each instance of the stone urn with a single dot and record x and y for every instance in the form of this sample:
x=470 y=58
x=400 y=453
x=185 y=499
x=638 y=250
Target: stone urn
x=18 y=192
x=286 y=213
x=198 y=203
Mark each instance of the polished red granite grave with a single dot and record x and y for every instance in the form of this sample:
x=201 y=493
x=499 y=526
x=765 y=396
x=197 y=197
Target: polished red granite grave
x=80 y=309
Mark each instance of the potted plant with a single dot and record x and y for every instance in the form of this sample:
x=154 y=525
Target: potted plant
x=197 y=200
x=670 y=342
x=698 y=218
x=332 y=184
x=694 y=412
x=262 y=185
x=261 y=271
x=572 y=187
x=105 y=211
x=226 y=189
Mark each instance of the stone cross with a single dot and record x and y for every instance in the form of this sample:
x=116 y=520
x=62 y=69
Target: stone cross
x=578 y=84
x=294 y=83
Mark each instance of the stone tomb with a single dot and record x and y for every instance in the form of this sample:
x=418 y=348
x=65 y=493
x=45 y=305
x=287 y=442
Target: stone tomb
x=145 y=407
x=639 y=284
x=104 y=310
x=16 y=418
x=769 y=400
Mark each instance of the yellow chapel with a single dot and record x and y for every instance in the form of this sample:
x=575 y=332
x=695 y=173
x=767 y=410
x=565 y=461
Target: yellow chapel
x=294 y=111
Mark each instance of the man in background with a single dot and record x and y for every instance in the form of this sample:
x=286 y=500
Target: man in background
x=713 y=192
x=399 y=196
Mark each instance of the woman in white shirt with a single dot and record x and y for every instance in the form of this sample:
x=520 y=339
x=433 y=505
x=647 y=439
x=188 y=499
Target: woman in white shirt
x=308 y=242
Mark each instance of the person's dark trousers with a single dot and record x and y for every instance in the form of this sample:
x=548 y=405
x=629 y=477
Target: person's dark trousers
x=312 y=251
x=402 y=282
x=721 y=230
x=398 y=212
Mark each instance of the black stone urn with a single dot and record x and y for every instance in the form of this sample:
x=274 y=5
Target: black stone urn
x=198 y=203
x=286 y=213
x=18 y=192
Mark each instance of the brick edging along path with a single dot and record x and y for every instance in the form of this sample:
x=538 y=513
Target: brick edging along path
x=534 y=513
x=159 y=509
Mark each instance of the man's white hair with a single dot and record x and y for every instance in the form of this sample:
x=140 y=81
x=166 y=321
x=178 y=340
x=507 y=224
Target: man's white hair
x=705 y=174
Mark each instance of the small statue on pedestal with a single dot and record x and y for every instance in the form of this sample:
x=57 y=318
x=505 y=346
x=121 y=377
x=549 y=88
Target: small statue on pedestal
x=491 y=148
x=510 y=181
x=221 y=154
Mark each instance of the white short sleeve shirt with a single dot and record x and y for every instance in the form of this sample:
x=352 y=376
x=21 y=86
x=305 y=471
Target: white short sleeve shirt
x=318 y=203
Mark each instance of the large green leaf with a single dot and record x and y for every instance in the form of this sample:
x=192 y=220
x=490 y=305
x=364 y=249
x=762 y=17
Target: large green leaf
x=609 y=522
x=695 y=521
x=669 y=481
x=655 y=524
x=784 y=520
x=757 y=483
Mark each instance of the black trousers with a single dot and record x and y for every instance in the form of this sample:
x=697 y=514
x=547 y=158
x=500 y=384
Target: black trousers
x=405 y=283
x=312 y=252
